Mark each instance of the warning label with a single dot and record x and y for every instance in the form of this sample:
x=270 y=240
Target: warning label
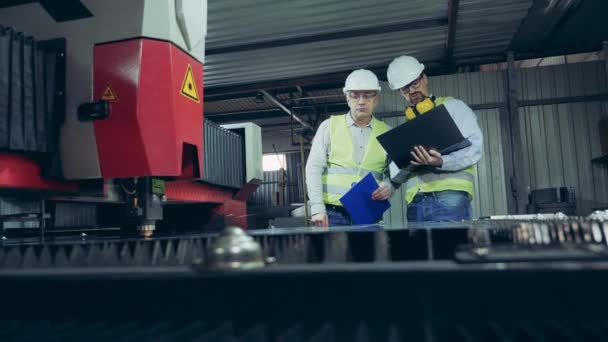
x=109 y=94
x=189 y=86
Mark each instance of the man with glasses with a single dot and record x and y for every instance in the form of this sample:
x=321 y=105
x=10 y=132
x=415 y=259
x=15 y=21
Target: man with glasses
x=344 y=150
x=438 y=187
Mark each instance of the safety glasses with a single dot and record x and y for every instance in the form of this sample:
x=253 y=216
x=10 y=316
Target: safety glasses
x=406 y=88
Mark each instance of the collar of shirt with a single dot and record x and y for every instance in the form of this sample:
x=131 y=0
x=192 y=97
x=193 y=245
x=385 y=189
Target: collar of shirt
x=350 y=121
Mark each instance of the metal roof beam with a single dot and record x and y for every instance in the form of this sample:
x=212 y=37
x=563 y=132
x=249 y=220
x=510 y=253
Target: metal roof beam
x=451 y=36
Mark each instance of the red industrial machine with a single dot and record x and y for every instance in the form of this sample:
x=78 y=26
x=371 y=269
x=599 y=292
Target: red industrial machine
x=102 y=102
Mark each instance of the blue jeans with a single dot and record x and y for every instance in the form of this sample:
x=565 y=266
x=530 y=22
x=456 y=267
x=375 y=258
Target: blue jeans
x=338 y=217
x=440 y=206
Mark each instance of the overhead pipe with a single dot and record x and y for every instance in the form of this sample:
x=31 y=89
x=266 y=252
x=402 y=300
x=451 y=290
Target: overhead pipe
x=287 y=110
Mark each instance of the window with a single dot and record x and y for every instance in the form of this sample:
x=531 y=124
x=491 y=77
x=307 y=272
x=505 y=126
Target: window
x=273 y=162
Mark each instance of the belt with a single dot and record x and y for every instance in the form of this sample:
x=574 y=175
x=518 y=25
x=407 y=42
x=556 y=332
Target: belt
x=422 y=195
x=336 y=208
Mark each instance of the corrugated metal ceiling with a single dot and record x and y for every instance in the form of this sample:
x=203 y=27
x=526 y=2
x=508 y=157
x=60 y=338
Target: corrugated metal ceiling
x=243 y=22
x=321 y=57
x=486 y=27
x=483 y=27
x=275 y=42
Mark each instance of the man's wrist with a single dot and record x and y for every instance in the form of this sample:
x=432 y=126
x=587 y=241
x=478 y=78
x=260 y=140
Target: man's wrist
x=317 y=209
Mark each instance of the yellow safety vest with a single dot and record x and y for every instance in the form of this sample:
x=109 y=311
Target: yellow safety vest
x=431 y=179
x=342 y=171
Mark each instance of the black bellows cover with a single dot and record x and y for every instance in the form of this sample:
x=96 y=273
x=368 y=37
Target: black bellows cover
x=52 y=126
x=31 y=78
x=223 y=155
x=16 y=141
x=5 y=67
x=40 y=102
x=29 y=114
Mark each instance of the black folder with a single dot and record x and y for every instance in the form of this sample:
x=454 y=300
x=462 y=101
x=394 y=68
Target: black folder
x=434 y=129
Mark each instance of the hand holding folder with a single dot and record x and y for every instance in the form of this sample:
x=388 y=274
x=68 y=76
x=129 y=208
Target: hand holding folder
x=360 y=205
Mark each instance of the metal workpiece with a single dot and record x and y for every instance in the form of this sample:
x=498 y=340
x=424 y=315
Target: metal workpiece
x=233 y=249
x=365 y=283
x=459 y=241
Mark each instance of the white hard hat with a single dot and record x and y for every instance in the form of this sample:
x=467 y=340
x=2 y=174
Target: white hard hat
x=361 y=79
x=402 y=71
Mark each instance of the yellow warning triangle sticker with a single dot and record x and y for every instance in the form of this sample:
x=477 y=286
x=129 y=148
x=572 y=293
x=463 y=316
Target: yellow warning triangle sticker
x=189 y=86
x=109 y=94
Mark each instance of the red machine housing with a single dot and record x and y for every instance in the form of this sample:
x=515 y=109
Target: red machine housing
x=23 y=172
x=153 y=128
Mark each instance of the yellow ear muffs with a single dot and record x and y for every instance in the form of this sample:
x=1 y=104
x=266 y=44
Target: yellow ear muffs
x=421 y=108
x=409 y=113
x=425 y=105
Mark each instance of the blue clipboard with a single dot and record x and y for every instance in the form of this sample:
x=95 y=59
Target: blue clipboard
x=359 y=203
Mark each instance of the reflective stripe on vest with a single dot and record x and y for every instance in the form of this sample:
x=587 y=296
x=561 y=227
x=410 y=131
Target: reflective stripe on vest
x=463 y=180
x=342 y=171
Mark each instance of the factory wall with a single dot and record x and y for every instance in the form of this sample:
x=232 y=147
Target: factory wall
x=560 y=140
x=266 y=194
x=282 y=140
